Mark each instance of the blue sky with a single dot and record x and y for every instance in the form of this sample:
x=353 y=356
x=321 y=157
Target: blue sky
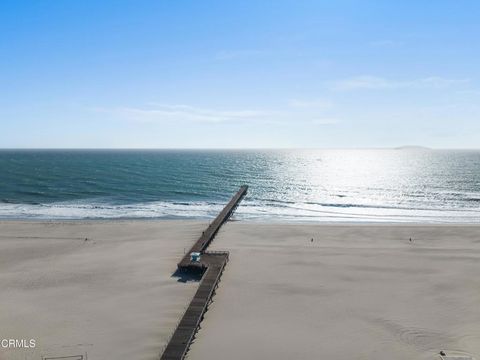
x=218 y=74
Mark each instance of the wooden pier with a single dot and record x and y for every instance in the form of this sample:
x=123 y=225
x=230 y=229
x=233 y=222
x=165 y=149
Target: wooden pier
x=209 y=234
x=212 y=265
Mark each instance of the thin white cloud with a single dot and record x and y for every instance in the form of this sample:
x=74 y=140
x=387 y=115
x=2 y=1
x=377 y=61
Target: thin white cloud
x=469 y=92
x=170 y=113
x=373 y=83
x=361 y=82
x=438 y=82
x=309 y=112
x=315 y=103
x=325 y=121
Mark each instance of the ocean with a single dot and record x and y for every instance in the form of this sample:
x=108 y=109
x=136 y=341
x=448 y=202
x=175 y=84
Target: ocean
x=379 y=185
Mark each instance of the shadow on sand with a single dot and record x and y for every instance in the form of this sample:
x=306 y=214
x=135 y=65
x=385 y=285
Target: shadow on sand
x=185 y=276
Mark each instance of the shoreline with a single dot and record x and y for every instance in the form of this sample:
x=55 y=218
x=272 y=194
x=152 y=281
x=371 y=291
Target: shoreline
x=241 y=221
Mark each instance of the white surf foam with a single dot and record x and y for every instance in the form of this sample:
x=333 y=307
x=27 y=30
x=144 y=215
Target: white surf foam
x=249 y=210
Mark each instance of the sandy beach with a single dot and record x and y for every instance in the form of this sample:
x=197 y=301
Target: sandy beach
x=112 y=296
x=354 y=292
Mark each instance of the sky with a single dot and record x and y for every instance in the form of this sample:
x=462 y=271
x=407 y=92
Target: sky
x=239 y=74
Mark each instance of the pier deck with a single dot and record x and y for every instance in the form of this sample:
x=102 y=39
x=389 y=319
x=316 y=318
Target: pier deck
x=208 y=235
x=212 y=265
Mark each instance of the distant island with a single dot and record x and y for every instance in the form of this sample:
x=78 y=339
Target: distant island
x=412 y=147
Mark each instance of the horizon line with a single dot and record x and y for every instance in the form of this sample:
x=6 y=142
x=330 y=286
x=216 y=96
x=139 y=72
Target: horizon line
x=239 y=148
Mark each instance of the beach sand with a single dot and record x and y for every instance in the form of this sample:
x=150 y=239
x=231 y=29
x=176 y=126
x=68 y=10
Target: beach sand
x=112 y=296
x=355 y=292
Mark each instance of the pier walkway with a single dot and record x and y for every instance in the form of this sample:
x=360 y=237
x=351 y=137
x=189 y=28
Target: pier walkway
x=208 y=235
x=211 y=264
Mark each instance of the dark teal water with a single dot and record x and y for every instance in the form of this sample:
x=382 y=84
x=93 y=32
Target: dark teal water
x=294 y=185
